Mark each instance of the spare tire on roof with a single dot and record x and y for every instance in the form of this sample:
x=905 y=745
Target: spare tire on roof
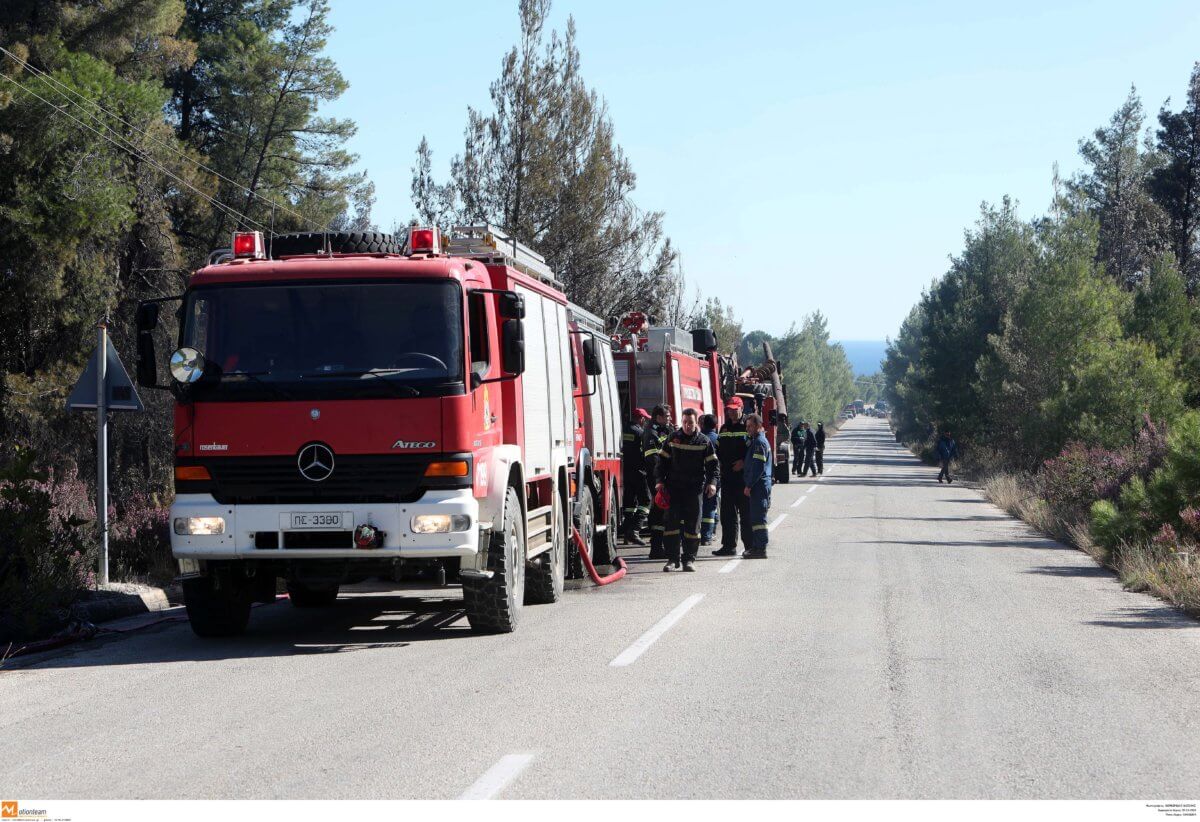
x=340 y=242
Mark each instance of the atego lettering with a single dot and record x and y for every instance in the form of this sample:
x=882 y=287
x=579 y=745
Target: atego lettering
x=413 y=444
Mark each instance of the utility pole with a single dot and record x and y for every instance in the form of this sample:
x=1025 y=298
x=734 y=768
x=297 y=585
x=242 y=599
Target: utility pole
x=102 y=446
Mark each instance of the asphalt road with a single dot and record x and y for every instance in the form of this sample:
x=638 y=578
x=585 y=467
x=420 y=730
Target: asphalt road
x=905 y=640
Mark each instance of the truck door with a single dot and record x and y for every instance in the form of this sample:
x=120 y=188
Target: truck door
x=486 y=405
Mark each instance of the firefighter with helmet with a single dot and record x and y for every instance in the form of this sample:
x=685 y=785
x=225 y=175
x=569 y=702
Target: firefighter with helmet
x=636 y=491
x=688 y=471
x=655 y=435
x=731 y=453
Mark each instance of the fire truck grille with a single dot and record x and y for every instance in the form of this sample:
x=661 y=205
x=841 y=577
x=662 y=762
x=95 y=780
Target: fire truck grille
x=273 y=480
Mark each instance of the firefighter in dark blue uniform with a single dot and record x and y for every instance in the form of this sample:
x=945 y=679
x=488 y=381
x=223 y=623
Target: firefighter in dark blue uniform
x=731 y=451
x=635 y=490
x=688 y=470
x=655 y=435
x=757 y=479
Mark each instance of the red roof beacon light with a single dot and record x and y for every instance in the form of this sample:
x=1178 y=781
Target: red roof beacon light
x=424 y=241
x=248 y=245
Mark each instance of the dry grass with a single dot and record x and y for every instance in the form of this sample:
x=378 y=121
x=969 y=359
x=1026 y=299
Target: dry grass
x=1171 y=576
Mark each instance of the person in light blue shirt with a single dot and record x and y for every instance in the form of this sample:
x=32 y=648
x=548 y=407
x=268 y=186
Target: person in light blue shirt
x=756 y=475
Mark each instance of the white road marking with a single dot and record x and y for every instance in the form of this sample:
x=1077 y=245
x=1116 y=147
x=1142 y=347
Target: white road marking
x=798 y=501
x=630 y=654
x=811 y=488
x=498 y=776
x=775 y=524
x=730 y=566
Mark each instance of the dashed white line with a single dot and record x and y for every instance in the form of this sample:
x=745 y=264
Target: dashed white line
x=775 y=523
x=730 y=566
x=630 y=654
x=498 y=776
x=798 y=501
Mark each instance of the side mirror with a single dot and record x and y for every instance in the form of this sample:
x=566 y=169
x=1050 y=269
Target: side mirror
x=512 y=355
x=147 y=365
x=512 y=306
x=592 y=364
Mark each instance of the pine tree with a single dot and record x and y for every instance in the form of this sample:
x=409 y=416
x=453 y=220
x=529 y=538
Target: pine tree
x=1175 y=184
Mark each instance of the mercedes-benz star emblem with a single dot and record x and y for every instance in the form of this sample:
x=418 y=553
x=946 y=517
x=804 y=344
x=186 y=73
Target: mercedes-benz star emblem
x=315 y=413
x=315 y=462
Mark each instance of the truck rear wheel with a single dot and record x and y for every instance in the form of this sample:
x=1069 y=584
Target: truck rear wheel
x=494 y=605
x=604 y=546
x=548 y=571
x=304 y=597
x=783 y=470
x=217 y=605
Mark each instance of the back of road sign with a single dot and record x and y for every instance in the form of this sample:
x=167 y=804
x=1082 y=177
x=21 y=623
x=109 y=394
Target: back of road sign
x=122 y=396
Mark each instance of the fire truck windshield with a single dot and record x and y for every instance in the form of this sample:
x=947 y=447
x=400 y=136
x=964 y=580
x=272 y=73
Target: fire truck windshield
x=347 y=339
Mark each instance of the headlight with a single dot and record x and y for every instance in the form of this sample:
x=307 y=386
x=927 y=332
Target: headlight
x=440 y=523
x=199 y=526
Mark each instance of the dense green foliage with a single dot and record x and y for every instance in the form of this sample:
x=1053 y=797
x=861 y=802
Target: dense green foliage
x=816 y=372
x=1068 y=344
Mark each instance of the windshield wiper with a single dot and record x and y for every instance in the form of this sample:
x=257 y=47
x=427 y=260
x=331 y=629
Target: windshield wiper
x=379 y=373
x=253 y=376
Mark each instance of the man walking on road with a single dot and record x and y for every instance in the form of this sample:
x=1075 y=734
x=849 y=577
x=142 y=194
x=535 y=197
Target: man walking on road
x=947 y=449
x=820 y=448
x=810 y=448
x=636 y=490
x=731 y=452
x=652 y=442
x=688 y=469
x=798 y=448
x=757 y=481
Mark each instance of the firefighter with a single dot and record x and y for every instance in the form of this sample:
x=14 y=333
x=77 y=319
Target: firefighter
x=757 y=486
x=655 y=435
x=798 y=448
x=689 y=471
x=636 y=491
x=820 y=448
x=810 y=448
x=731 y=452
x=708 y=519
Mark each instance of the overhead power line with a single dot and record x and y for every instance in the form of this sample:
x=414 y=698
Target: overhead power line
x=64 y=90
x=125 y=144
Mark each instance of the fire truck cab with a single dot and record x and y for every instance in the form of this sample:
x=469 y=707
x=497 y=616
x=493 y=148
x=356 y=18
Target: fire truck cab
x=347 y=415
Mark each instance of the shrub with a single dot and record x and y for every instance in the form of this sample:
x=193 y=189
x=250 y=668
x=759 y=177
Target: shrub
x=139 y=539
x=46 y=548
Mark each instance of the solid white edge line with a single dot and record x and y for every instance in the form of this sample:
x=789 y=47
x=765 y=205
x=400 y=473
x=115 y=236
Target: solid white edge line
x=730 y=566
x=775 y=523
x=639 y=646
x=798 y=501
x=497 y=777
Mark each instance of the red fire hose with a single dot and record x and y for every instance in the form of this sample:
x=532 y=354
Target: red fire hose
x=591 y=569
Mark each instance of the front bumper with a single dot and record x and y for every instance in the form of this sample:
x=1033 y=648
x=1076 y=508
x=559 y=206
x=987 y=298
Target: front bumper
x=244 y=522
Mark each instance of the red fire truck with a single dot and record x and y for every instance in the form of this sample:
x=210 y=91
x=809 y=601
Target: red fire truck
x=659 y=365
x=345 y=410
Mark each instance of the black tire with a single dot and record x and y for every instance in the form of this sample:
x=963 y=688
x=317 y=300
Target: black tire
x=217 y=605
x=546 y=574
x=494 y=605
x=304 y=597
x=340 y=242
x=783 y=471
x=585 y=521
x=604 y=545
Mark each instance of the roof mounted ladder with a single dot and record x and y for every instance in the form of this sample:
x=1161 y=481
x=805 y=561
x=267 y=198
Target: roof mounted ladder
x=489 y=244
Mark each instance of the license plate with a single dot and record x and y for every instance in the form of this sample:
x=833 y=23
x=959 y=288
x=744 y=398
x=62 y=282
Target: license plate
x=319 y=521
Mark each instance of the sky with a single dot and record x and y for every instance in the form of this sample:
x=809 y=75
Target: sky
x=807 y=156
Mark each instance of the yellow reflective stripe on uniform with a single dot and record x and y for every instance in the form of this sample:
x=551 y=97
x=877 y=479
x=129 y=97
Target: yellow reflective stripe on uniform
x=733 y=434
x=674 y=533
x=650 y=452
x=664 y=454
x=683 y=446
x=711 y=458
x=686 y=535
x=758 y=528
x=628 y=437
x=762 y=457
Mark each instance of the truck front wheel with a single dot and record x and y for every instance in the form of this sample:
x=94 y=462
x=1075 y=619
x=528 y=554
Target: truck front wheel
x=217 y=605
x=494 y=605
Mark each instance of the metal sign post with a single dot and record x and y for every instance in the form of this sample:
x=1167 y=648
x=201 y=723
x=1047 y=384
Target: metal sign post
x=102 y=447
x=105 y=386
